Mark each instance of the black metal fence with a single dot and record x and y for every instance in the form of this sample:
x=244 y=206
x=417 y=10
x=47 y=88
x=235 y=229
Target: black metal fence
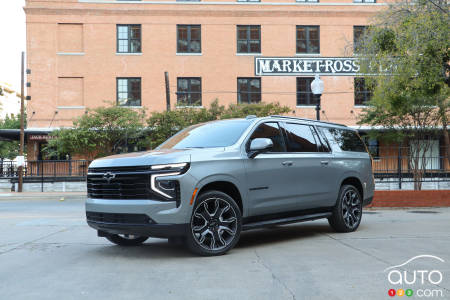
x=395 y=165
x=390 y=164
x=45 y=168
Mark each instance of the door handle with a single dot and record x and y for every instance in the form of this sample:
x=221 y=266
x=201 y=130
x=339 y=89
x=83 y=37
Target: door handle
x=287 y=163
x=324 y=162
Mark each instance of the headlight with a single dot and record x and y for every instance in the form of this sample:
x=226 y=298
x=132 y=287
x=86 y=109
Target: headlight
x=166 y=187
x=171 y=167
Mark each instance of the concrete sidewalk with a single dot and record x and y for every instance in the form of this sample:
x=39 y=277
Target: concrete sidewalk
x=47 y=251
x=43 y=196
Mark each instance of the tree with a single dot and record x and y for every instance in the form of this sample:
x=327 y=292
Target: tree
x=101 y=131
x=163 y=125
x=9 y=149
x=405 y=56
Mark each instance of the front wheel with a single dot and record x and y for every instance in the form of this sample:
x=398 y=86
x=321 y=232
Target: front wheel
x=348 y=210
x=215 y=225
x=126 y=239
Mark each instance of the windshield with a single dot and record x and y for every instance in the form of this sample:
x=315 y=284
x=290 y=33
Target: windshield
x=207 y=135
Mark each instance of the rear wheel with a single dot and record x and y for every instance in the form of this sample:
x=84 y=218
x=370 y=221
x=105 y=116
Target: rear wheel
x=348 y=210
x=215 y=225
x=126 y=239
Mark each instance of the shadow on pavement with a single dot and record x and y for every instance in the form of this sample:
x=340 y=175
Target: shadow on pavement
x=160 y=248
x=280 y=234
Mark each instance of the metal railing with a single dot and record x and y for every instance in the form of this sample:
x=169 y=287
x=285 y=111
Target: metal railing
x=45 y=168
x=395 y=164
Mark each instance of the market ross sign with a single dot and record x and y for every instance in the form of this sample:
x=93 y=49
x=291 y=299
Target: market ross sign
x=297 y=66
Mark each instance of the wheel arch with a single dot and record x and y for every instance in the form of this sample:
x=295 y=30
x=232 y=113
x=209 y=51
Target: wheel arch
x=356 y=182
x=224 y=186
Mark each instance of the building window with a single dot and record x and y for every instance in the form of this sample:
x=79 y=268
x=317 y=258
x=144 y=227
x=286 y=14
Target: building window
x=189 y=39
x=248 y=0
x=129 y=38
x=248 y=38
x=304 y=93
x=362 y=92
x=358 y=34
x=309 y=1
x=129 y=91
x=364 y=1
x=249 y=90
x=308 y=39
x=189 y=91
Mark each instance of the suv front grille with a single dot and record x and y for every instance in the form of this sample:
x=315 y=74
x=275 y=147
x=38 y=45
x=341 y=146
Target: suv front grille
x=137 y=219
x=123 y=185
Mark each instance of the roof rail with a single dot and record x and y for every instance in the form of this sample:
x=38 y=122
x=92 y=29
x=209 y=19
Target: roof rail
x=304 y=119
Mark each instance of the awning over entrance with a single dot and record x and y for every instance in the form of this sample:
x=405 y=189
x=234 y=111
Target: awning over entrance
x=30 y=133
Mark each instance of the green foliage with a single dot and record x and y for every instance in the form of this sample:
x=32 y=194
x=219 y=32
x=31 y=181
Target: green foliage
x=108 y=130
x=9 y=149
x=406 y=54
x=102 y=131
x=408 y=47
x=163 y=125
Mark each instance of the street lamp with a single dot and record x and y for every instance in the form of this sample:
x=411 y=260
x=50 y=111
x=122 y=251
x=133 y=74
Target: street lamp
x=317 y=90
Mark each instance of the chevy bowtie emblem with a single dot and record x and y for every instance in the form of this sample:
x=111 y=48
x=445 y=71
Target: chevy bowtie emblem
x=109 y=176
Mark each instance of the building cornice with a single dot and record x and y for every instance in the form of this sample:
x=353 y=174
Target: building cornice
x=234 y=3
x=190 y=11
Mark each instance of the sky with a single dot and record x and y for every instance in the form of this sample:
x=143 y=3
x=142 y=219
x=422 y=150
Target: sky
x=12 y=40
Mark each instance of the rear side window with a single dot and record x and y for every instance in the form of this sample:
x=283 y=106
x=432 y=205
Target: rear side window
x=347 y=140
x=300 y=138
x=270 y=130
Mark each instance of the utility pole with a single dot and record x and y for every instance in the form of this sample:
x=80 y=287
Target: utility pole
x=22 y=134
x=166 y=75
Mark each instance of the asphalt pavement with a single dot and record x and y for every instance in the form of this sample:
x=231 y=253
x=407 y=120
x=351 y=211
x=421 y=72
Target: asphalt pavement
x=48 y=252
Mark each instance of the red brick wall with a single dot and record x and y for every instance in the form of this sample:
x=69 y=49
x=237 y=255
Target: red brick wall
x=411 y=198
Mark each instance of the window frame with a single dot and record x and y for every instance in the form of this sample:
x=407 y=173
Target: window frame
x=189 y=38
x=363 y=28
x=248 y=38
x=248 y=92
x=313 y=132
x=129 y=38
x=367 y=94
x=310 y=94
x=189 y=90
x=282 y=132
x=128 y=90
x=307 y=28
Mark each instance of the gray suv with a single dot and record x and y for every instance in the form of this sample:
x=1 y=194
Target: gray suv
x=210 y=181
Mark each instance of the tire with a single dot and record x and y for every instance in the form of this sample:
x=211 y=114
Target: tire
x=347 y=212
x=215 y=225
x=126 y=240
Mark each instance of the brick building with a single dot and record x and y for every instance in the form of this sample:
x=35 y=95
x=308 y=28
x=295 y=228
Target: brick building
x=82 y=53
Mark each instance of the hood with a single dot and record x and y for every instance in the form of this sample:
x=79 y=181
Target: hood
x=145 y=158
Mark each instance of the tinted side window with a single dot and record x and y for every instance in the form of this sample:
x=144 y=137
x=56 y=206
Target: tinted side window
x=321 y=141
x=300 y=138
x=347 y=140
x=270 y=131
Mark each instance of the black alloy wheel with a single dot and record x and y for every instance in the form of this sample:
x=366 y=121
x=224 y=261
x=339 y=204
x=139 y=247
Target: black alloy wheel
x=347 y=213
x=215 y=224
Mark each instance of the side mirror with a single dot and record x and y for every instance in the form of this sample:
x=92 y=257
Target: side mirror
x=259 y=145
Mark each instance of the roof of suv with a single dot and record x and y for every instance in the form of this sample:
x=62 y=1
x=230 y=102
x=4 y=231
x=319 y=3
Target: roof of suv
x=296 y=119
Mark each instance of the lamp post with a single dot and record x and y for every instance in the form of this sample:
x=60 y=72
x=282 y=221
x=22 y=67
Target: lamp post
x=317 y=90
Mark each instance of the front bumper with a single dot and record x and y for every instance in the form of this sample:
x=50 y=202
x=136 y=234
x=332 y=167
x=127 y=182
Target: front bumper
x=151 y=230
